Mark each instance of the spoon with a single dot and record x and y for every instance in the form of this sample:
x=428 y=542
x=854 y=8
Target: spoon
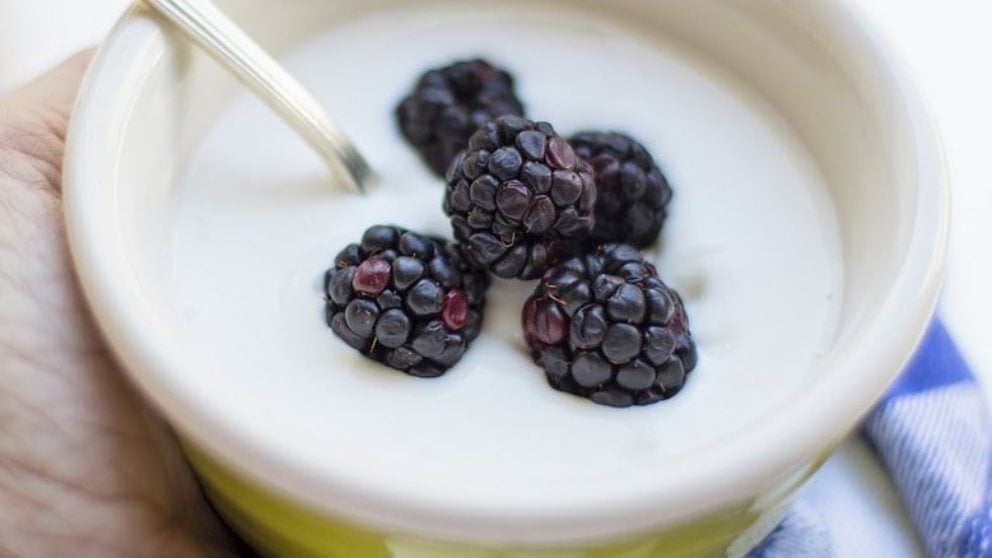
x=222 y=39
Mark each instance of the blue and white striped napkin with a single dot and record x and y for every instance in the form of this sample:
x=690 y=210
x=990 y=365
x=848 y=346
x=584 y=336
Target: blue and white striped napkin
x=933 y=433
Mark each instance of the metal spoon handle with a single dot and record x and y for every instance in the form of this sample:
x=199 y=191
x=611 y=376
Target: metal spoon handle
x=228 y=44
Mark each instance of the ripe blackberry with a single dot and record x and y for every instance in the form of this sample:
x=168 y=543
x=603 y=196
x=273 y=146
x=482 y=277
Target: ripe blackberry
x=519 y=198
x=406 y=300
x=605 y=327
x=450 y=103
x=632 y=193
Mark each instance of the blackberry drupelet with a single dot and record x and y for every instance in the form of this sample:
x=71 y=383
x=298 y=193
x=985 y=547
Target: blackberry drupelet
x=519 y=198
x=604 y=326
x=450 y=103
x=632 y=193
x=405 y=299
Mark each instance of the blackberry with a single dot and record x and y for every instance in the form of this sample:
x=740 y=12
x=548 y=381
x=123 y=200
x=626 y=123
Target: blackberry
x=519 y=198
x=405 y=299
x=604 y=326
x=632 y=193
x=450 y=103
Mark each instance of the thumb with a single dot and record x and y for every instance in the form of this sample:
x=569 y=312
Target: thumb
x=54 y=91
x=33 y=123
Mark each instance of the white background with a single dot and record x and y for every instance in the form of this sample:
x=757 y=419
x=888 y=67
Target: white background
x=946 y=43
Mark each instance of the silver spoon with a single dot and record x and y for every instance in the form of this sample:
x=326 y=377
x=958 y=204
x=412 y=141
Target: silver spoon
x=220 y=37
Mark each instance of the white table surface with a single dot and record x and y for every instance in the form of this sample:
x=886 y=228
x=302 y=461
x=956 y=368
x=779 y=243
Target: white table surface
x=945 y=43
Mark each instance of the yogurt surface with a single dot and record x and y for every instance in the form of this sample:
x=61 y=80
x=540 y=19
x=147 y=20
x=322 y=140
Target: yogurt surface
x=751 y=243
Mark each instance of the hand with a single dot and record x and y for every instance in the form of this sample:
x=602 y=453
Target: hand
x=85 y=468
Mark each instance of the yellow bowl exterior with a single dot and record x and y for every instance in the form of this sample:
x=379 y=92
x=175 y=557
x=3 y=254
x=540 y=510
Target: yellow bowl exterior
x=281 y=528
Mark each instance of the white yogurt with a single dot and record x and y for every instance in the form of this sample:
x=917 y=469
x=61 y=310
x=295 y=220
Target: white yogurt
x=751 y=243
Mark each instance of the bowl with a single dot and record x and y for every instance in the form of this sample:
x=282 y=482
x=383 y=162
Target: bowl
x=192 y=268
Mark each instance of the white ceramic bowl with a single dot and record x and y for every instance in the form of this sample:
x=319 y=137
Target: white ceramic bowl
x=150 y=97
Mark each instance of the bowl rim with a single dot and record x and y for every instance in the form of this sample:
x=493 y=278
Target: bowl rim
x=770 y=454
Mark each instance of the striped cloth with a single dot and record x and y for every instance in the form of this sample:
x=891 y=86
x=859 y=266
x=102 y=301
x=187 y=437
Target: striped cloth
x=933 y=433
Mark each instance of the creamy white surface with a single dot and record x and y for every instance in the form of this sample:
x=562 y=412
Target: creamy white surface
x=751 y=243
